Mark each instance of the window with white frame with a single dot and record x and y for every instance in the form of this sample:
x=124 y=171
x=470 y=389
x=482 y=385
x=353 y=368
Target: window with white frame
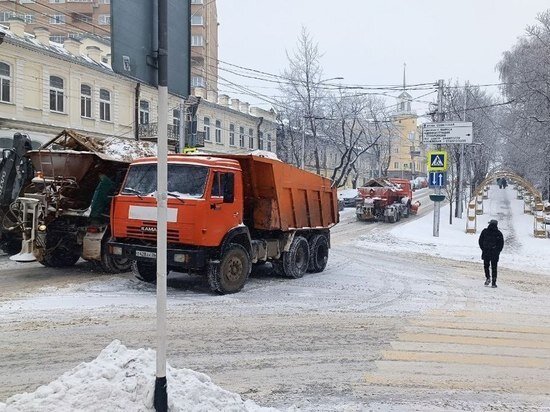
x=85 y=101
x=105 y=105
x=197 y=20
x=57 y=39
x=104 y=19
x=396 y=165
x=143 y=112
x=104 y=1
x=251 y=138
x=231 y=134
x=197 y=81
x=57 y=19
x=241 y=136
x=29 y=18
x=57 y=1
x=218 y=131
x=82 y=18
x=269 y=142
x=57 y=94
x=27 y=1
x=176 y=121
x=207 y=128
x=197 y=40
x=5 y=82
x=261 y=140
x=196 y=1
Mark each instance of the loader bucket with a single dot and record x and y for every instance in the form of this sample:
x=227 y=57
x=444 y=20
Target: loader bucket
x=62 y=163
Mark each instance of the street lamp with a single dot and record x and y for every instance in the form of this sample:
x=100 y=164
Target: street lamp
x=303 y=157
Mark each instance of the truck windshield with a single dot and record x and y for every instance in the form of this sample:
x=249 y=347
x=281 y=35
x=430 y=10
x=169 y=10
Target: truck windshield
x=184 y=181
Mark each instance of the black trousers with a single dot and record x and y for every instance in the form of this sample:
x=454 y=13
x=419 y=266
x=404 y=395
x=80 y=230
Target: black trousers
x=493 y=261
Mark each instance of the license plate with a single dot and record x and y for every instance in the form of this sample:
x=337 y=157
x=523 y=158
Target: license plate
x=146 y=254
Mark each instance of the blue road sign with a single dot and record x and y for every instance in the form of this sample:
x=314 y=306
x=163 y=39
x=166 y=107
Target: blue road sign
x=437 y=179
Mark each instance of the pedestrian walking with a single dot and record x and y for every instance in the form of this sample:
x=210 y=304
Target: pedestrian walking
x=504 y=182
x=491 y=243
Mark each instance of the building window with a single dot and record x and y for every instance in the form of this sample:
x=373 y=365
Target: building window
x=218 y=131
x=261 y=141
x=85 y=101
x=57 y=39
x=196 y=1
x=104 y=19
x=206 y=128
x=197 y=81
x=396 y=165
x=57 y=1
x=143 y=112
x=269 y=142
x=176 y=121
x=251 y=138
x=196 y=20
x=104 y=1
x=105 y=105
x=197 y=40
x=241 y=136
x=83 y=18
x=6 y=15
x=5 y=82
x=231 y=135
x=57 y=19
x=29 y=18
x=57 y=93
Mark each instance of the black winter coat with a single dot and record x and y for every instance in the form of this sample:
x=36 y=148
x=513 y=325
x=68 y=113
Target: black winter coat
x=491 y=242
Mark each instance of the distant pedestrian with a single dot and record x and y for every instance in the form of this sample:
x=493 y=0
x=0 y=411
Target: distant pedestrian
x=498 y=183
x=491 y=243
x=504 y=182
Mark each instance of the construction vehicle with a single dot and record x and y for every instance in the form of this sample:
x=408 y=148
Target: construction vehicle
x=15 y=174
x=64 y=213
x=386 y=199
x=226 y=213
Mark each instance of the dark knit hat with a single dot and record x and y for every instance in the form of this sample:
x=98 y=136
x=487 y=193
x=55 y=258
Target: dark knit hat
x=493 y=222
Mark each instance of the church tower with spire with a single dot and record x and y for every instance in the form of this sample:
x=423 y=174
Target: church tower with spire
x=405 y=149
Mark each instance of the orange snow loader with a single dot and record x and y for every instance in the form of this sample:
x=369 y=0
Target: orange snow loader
x=225 y=213
x=386 y=199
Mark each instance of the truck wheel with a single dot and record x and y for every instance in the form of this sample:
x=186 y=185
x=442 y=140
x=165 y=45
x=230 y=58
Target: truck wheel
x=318 y=253
x=296 y=260
x=112 y=264
x=144 y=271
x=230 y=274
x=59 y=258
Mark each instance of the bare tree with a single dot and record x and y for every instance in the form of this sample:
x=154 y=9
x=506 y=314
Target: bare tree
x=525 y=72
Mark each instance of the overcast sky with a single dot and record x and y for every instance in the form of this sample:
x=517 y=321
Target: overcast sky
x=367 y=41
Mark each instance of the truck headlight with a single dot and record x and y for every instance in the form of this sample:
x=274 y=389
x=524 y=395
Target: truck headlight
x=181 y=257
x=41 y=228
x=115 y=250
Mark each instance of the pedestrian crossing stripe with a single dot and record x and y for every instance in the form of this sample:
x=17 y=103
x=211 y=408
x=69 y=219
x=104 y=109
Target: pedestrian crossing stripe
x=437 y=161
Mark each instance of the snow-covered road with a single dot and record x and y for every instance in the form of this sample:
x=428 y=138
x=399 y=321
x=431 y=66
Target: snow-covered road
x=397 y=321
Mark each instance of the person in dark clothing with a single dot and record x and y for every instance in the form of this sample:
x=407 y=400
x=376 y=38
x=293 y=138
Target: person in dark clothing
x=491 y=243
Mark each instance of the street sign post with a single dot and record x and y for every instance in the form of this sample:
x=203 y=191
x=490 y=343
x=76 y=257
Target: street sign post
x=437 y=179
x=437 y=161
x=447 y=133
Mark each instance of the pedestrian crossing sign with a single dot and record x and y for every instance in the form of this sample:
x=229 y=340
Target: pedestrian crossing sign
x=437 y=161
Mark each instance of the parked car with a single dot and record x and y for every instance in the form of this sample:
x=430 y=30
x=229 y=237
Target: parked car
x=349 y=197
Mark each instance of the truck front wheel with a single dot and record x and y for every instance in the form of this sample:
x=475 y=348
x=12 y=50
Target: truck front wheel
x=231 y=273
x=144 y=271
x=318 y=253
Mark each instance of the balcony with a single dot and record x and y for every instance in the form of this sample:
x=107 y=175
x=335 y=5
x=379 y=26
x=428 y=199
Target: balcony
x=149 y=132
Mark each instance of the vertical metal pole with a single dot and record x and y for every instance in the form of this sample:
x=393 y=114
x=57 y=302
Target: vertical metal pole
x=437 y=205
x=304 y=145
x=161 y=395
x=462 y=163
x=183 y=126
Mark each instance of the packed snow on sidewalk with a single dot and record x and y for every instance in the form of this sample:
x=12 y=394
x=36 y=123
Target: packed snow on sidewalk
x=120 y=379
x=522 y=251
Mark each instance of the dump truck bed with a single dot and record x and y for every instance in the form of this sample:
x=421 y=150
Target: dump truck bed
x=279 y=196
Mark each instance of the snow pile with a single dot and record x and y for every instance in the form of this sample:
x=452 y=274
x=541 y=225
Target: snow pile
x=127 y=150
x=120 y=379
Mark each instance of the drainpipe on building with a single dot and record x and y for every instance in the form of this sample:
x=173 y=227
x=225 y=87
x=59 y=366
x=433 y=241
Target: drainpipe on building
x=136 y=111
x=261 y=120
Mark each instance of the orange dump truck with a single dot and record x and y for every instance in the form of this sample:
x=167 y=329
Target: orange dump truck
x=226 y=213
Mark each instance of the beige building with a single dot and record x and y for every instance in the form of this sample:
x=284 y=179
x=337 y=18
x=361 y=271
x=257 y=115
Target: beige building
x=47 y=86
x=92 y=18
x=407 y=155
